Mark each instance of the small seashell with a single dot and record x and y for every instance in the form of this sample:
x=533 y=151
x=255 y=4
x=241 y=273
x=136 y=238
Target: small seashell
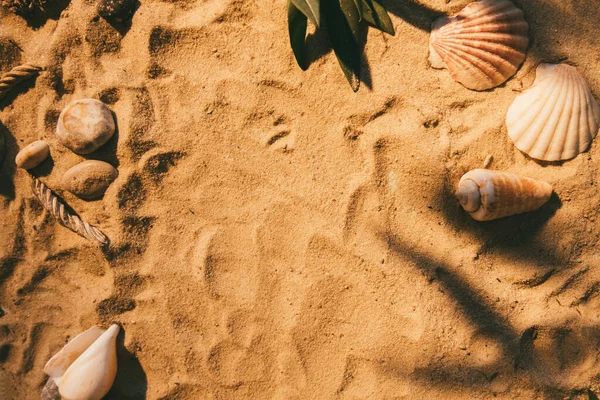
x=32 y=155
x=85 y=125
x=483 y=45
x=557 y=117
x=488 y=194
x=89 y=179
x=116 y=10
x=92 y=374
x=58 y=364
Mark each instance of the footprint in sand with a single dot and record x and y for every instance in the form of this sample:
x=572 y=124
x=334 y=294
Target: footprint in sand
x=229 y=264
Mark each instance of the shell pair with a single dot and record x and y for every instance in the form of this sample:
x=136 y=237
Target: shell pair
x=484 y=45
x=86 y=367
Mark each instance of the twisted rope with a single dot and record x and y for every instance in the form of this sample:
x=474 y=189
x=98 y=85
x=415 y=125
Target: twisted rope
x=16 y=75
x=56 y=207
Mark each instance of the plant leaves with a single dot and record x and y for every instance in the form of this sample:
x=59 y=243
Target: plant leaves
x=358 y=4
x=297 y=23
x=310 y=8
x=376 y=15
x=352 y=15
x=342 y=40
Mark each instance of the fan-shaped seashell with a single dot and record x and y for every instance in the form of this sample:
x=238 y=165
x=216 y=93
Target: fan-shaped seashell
x=483 y=45
x=60 y=362
x=92 y=374
x=487 y=194
x=84 y=125
x=32 y=155
x=557 y=117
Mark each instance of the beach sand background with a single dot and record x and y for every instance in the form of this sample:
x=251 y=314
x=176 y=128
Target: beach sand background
x=275 y=235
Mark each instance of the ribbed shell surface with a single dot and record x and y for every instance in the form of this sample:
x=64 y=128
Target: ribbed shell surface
x=557 y=117
x=503 y=194
x=483 y=45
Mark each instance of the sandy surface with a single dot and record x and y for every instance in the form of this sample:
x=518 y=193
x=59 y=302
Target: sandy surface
x=276 y=236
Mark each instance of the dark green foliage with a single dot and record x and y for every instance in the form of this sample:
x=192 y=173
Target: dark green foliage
x=346 y=22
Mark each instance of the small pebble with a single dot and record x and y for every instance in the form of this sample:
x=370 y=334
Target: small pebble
x=116 y=10
x=85 y=125
x=89 y=179
x=32 y=155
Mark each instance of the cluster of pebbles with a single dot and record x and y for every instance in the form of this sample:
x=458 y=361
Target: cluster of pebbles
x=83 y=126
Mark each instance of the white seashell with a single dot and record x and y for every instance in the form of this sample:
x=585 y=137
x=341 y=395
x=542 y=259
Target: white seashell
x=92 y=374
x=58 y=365
x=487 y=194
x=557 y=117
x=483 y=45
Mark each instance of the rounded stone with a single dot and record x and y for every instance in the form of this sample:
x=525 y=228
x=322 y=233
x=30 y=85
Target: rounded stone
x=89 y=179
x=85 y=125
x=32 y=155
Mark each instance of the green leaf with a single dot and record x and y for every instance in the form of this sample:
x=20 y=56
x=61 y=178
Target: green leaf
x=297 y=23
x=358 y=4
x=376 y=15
x=342 y=40
x=352 y=16
x=310 y=8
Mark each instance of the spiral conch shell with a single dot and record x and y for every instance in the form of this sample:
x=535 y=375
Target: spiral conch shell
x=557 y=117
x=483 y=45
x=86 y=367
x=487 y=194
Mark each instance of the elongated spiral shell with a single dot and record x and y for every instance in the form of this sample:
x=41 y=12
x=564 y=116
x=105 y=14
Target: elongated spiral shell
x=483 y=45
x=16 y=75
x=56 y=207
x=557 y=117
x=487 y=194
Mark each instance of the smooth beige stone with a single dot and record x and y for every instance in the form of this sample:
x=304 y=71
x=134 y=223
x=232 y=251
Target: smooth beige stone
x=32 y=155
x=85 y=125
x=89 y=179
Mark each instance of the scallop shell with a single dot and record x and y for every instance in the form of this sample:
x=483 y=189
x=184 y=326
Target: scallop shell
x=487 y=194
x=92 y=374
x=557 y=117
x=483 y=45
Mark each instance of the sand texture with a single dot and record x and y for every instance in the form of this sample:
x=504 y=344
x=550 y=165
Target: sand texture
x=276 y=236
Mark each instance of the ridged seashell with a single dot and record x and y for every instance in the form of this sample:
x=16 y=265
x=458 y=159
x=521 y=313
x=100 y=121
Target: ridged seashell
x=32 y=155
x=85 y=125
x=487 y=194
x=89 y=179
x=92 y=374
x=557 y=117
x=483 y=45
